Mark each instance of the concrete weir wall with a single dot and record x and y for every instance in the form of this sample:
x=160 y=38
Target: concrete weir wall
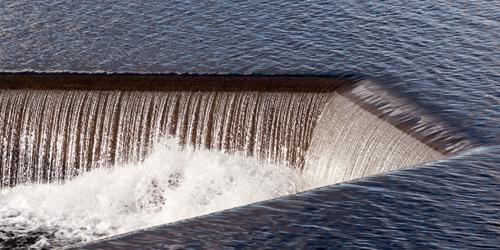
x=54 y=126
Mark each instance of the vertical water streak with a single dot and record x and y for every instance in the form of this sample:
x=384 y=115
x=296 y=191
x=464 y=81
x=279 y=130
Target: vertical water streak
x=350 y=142
x=52 y=135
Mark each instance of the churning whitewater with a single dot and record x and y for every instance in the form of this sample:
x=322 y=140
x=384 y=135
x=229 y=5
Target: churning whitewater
x=171 y=184
x=78 y=164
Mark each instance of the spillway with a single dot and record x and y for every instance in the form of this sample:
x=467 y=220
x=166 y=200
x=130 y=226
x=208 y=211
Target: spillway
x=54 y=126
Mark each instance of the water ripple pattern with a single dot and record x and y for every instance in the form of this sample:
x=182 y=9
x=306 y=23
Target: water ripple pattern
x=445 y=54
x=439 y=48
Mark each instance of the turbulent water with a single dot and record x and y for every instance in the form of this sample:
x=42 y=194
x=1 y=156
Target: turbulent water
x=103 y=149
x=110 y=141
x=171 y=184
x=449 y=204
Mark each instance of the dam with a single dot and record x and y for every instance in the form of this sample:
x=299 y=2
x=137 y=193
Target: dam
x=56 y=126
x=331 y=129
x=117 y=121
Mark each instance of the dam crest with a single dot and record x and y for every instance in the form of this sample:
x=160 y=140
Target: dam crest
x=55 y=126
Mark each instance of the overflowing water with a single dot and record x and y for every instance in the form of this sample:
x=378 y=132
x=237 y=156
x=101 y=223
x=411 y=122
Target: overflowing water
x=350 y=143
x=448 y=204
x=104 y=149
x=444 y=53
x=171 y=184
x=54 y=135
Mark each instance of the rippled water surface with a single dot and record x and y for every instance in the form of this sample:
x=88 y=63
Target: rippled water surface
x=445 y=53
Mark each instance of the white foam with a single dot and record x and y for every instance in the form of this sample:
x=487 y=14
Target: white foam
x=170 y=185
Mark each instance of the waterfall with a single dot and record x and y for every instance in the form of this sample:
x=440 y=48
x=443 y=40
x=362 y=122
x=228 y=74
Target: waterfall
x=349 y=142
x=56 y=126
x=54 y=135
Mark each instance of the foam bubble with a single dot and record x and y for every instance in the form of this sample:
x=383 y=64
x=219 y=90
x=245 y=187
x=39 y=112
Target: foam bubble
x=170 y=185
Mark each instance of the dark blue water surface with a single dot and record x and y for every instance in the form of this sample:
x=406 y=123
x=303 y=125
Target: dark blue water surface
x=445 y=53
